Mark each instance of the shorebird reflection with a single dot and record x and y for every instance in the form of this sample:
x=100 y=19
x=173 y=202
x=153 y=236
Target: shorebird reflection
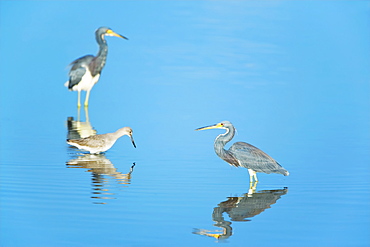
x=240 y=209
x=78 y=129
x=101 y=169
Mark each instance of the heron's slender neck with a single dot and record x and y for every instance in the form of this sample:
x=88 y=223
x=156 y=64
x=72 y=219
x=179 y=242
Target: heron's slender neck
x=103 y=47
x=103 y=52
x=222 y=139
x=220 y=143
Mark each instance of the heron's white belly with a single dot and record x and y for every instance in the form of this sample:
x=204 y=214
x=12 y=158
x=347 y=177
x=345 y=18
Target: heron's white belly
x=87 y=82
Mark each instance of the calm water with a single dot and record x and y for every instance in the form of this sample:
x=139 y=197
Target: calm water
x=293 y=77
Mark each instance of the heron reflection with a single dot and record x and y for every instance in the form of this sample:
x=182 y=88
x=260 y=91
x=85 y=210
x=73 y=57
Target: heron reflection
x=240 y=209
x=101 y=169
x=78 y=129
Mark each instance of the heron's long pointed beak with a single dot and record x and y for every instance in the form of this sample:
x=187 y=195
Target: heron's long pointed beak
x=215 y=126
x=132 y=140
x=112 y=33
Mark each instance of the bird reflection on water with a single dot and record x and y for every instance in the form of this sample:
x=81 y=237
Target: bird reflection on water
x=240 y=209
x=101 y=167
x=78 y=129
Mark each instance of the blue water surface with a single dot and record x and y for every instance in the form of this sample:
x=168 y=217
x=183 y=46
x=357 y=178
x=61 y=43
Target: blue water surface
x=292 y=76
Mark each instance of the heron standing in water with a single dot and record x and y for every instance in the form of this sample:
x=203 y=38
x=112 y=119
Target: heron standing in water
x=86 y=70
x=243 y=154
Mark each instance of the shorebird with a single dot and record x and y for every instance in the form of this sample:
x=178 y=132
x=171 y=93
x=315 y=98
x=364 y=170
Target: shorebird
x=100 y=143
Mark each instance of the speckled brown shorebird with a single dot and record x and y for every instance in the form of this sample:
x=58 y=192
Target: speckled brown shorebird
x=101 y=143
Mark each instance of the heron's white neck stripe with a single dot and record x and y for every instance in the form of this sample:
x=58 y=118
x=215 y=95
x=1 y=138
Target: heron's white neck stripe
x=227 y=131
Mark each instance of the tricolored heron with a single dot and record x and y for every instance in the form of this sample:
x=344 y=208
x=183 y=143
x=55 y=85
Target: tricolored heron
x=86 y=70
x=243 y=154
x=101 y=143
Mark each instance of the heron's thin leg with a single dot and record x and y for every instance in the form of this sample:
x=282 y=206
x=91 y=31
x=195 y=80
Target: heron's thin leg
x=78 y=98
x=78 y=114
x=87 y=119
x=252 y=188
x=87 y=98
x=252 y=176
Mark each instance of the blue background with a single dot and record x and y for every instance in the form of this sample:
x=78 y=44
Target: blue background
x=292 y=76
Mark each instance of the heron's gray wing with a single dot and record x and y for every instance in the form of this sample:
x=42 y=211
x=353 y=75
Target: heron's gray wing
x=85 y=60
x=96 y=65
x=253 y=158
x=78 y=70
